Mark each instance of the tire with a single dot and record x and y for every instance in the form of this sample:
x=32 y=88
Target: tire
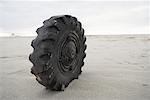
x=59 y=52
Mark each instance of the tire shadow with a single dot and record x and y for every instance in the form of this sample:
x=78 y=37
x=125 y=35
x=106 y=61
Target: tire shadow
x=47 y=93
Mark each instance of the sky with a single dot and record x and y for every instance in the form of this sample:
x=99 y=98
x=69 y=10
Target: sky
x=98 y=17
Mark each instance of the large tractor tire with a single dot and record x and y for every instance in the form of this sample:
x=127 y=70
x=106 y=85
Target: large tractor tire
x=59 y=52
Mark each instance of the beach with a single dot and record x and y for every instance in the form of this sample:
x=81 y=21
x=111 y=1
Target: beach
x=116 y=68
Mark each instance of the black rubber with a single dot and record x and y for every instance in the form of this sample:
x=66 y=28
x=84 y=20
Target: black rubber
x=59 y=52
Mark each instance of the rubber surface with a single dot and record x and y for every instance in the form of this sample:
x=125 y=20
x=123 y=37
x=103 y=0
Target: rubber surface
x=59 y=52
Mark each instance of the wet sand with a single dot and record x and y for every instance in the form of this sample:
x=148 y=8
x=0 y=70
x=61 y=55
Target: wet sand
x=116 y=68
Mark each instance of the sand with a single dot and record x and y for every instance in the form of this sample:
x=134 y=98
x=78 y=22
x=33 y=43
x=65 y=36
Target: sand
x=116 y=68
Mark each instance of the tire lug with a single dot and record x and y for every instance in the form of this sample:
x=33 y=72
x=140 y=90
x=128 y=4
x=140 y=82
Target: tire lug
x=62 y=87
x=50 y=75
x=57 y=32
x=55 y=22
x=47 y=64
x=38 y=78
x=70 y=68
x=77 y=77
x=49 y=54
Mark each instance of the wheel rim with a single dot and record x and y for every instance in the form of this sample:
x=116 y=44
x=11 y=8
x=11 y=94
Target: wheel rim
x=68 y=53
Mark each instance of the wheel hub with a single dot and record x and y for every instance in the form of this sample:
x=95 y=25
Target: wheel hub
x=68 y=53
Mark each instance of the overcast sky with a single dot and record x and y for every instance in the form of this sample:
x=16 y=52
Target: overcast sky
x=98 y=17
